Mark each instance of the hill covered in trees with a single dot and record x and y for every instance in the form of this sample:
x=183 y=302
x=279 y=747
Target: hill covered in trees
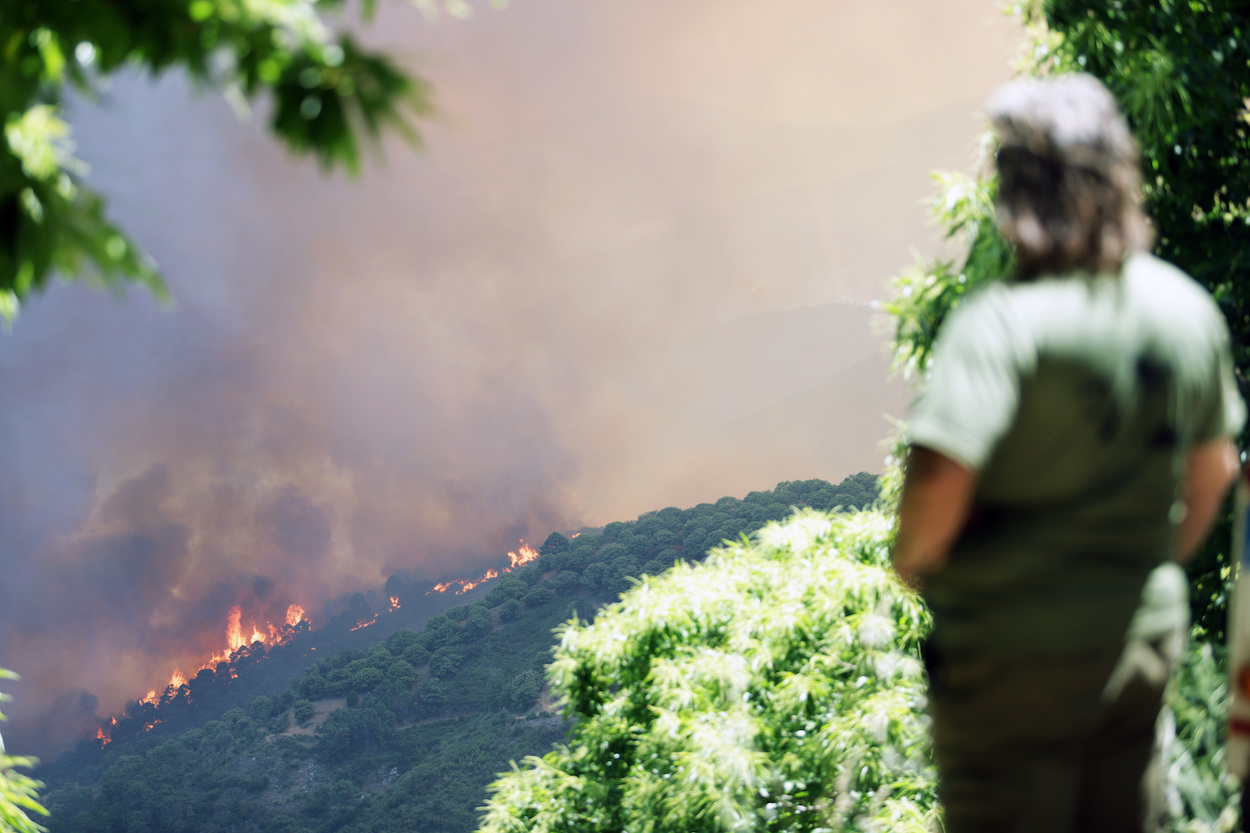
x=391 y=731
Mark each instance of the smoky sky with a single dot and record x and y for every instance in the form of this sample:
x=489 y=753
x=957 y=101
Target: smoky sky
x=631 y=267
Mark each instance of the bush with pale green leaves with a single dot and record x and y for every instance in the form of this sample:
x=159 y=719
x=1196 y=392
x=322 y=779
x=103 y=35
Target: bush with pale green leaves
x=19 y=794
x=775 y=686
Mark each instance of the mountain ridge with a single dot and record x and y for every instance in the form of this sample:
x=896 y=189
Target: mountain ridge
x=409 y=728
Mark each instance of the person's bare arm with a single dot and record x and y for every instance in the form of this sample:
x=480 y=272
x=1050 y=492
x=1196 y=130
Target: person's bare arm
x=937 y=495
x=1209 y=470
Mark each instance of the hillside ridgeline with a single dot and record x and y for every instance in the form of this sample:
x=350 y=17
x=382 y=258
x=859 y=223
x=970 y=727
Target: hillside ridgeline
x=399 y=731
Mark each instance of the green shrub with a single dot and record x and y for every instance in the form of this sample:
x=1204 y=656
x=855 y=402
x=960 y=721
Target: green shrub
x=539 y=595
x=566 y=582
x=303 y=711
x=367 y=679
x=415 y=655
x=774 y=687
x=445 y=662
x=524 y=690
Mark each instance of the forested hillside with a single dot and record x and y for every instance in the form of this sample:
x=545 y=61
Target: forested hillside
x=401 y=733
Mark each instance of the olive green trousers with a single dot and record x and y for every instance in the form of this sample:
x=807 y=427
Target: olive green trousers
x=1052 y=744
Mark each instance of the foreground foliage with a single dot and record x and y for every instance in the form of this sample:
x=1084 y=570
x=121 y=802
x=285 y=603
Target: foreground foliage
x=327 y=94
x=776 y=686
x=19 y=794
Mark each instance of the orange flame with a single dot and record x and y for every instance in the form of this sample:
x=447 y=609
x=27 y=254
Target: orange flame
x=394 y=602
x=234 y=628
x=524 y=555
x=101 y=736
x=235 y=641
x=364 y=623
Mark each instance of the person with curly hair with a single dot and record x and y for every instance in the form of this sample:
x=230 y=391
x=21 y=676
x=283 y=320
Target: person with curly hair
x=1068 y=450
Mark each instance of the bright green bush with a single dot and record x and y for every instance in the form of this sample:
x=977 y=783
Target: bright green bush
x=775 y=686
x=19 y=794
x=1201 y=794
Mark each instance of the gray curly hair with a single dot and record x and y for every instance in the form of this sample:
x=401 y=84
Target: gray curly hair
x=1069 y=191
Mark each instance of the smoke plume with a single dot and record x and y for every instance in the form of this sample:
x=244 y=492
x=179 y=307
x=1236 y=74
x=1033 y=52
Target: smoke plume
x=631 y=268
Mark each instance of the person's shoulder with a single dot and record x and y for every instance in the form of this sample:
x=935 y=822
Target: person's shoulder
x=1167 y=288
x=991 y=300
x=988 y=319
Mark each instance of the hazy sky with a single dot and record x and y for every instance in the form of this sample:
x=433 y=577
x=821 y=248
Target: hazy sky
x=631 y=268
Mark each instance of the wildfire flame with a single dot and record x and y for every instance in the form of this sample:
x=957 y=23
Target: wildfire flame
x=236 y=640
x=364 y=623
x=395 y=603
x=522 y=556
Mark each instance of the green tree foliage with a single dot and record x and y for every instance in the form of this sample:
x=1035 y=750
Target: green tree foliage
x=19 y=794
x=773 y=687
x=477 y=624
x=416 y=655
x=566 y=582
x=525 y=689
x=326 y=94
x=555 y=543
x=302 y=711
x=367 y=679
x=539 y=595
x=445 y=662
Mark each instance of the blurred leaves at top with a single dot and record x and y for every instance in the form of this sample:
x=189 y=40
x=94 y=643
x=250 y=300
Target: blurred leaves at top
x=327 y=95
x=1180 y=70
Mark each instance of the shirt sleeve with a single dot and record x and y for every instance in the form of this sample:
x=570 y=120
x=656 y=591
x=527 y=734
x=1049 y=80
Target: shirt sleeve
x=1220 y=410
x=973 y=391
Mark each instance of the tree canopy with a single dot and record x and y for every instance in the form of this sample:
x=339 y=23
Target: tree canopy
x=773 y=687
x=327 y=95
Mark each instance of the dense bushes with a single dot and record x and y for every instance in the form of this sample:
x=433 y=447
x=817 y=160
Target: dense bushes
x=775 y=687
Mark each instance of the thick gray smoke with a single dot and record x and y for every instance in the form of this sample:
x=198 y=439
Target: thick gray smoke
x=631 y=269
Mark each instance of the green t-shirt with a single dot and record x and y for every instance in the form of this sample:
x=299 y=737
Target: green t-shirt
x=1076 y=399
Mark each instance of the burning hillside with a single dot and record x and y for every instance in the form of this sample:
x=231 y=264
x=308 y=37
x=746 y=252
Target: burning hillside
x=519 y=558
x=248 y=642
